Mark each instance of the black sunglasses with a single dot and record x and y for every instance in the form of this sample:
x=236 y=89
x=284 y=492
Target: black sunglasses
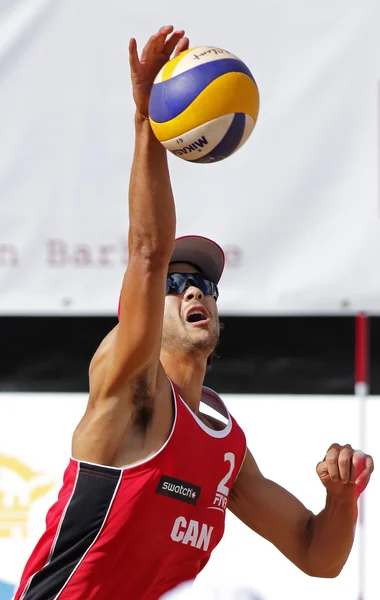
x=177 y=283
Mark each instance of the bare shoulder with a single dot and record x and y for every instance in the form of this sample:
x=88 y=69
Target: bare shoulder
x=124 y=418
x=103 y=383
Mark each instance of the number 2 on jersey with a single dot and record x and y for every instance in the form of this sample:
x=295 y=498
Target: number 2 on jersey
x=222 y=488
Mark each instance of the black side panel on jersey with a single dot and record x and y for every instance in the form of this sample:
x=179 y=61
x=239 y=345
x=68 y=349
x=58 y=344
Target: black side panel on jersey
x=82 y=522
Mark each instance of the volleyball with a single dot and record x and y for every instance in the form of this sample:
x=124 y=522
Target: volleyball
x=204 y=104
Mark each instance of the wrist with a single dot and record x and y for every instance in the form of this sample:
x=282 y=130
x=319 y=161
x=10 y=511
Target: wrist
x=343 y=502
x=144 y=134
x=140 y=118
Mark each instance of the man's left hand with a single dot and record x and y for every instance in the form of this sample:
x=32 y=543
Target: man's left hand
x=344 y=471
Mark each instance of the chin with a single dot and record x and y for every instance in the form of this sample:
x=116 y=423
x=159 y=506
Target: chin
x=204 y=340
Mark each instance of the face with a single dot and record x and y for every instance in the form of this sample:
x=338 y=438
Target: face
x=183 y=329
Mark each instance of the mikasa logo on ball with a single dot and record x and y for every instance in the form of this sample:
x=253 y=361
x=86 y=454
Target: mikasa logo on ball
x=178 y=489
x=194 y=147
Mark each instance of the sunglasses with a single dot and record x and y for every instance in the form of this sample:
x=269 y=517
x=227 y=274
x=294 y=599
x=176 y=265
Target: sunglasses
x=177 y=283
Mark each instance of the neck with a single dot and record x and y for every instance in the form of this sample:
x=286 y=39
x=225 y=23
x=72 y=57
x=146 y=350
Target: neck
x=187 y=373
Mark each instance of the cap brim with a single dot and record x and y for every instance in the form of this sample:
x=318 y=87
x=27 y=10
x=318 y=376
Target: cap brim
x=201 y=252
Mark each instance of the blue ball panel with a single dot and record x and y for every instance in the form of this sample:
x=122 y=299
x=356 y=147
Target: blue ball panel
x=228 y=143
x=169 y=98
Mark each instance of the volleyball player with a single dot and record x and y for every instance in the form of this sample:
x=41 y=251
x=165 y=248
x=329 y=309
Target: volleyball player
x=143 y=500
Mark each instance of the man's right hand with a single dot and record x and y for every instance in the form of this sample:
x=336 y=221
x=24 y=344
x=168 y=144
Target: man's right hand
x=154 y=56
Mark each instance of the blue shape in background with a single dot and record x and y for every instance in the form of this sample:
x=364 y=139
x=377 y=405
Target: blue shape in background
x=6 y=591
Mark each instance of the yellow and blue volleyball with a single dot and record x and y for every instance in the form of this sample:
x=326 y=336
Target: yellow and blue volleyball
x=204 y=104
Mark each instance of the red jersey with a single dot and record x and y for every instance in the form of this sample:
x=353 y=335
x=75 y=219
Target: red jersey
x=134 y=533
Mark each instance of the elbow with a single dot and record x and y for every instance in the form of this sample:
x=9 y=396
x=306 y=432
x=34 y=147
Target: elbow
x=152 y=255
x=317 y=560
x=323 y=571
x=155 y=248
x=334 y=573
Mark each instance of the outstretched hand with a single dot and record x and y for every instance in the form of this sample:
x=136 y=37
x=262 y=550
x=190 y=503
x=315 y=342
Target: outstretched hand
x=155 y=54
x=344 y=471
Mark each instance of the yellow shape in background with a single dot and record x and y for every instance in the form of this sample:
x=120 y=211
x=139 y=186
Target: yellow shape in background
x=17 y=495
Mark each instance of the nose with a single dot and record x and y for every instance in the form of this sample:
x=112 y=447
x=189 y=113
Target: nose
x=193 y=293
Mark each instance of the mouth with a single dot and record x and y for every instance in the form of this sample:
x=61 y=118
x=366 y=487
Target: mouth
x=197 y=316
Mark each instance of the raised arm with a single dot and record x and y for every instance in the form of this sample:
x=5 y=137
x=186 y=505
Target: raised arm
x=151 y=221
x=318 y=544
x=125 y=373
x=135 y=344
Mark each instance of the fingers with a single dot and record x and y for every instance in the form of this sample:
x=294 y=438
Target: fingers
x=172 y=42
x=331 y=460
x=339 y=462
x=165 y=30
x=358 y=465
x=182 y=45
x=344 y=465
x=159 y=43
x=134 y=62
x=363 y=467
x=156 y=42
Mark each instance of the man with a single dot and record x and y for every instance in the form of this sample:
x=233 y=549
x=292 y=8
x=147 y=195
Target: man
x=144 y=496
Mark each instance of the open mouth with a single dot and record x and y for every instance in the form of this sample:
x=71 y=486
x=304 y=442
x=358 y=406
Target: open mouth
x=196 y=315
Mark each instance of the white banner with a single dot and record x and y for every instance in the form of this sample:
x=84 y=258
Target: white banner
x=296 y=208
x=35 y=447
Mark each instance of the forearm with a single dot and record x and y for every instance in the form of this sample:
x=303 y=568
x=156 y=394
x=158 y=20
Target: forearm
x=151 y=203
x=330 y=537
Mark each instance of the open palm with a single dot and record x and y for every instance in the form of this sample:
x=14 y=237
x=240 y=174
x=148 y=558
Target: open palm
x=155 y=54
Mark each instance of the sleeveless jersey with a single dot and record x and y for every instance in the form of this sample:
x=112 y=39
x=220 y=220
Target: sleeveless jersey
x=134 y=533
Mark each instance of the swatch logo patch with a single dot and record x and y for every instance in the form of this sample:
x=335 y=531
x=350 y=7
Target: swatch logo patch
x=178 y=489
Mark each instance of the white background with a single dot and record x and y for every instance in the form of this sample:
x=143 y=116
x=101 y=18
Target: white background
x=296 y=208
x=287 y=435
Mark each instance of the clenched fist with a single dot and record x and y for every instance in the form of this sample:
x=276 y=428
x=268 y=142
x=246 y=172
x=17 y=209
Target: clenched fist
x=345 y=471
